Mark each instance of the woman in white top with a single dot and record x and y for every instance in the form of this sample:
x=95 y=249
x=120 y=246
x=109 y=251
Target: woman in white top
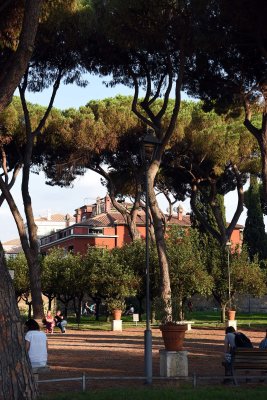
x=36 y=344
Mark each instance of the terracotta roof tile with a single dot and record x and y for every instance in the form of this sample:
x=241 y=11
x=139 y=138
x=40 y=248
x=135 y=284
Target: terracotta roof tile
x=110 y=219
x=115 y=218
x=12 y=246
x=12 y=242
x=55 y=218
x=185 y=221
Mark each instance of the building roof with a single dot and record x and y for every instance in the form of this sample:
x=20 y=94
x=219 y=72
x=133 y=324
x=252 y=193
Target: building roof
x=12 y=246
x=177 y=220
x=110 y=219
x=12 y=242
x=55 y=218
x=115 y=218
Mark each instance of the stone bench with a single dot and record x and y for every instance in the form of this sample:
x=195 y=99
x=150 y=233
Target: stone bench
x=188 y=324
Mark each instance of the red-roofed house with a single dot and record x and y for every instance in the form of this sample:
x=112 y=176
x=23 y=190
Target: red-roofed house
x=101 y=225
x=45 y=225
x=12 y=248
x=52 y=223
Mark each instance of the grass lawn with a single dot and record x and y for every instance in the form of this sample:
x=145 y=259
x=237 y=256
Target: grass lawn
x=212 y=319
x=202 y=319
x=210 y=393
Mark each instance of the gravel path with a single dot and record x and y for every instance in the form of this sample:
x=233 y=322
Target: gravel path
x=121 y=354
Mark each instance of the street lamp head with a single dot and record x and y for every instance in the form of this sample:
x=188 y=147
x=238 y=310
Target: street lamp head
x=150 y=144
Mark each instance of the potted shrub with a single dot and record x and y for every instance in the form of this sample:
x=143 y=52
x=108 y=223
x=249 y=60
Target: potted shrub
x=173 y=330
x=173 y=335
x=116 y=307
x=231 y=309
x=231 y=313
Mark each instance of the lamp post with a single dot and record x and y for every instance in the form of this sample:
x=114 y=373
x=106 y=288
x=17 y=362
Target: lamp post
x=228 y=245
x=149 y=147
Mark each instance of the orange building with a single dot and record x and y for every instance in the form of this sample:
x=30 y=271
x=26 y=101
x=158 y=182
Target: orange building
x=101 y=225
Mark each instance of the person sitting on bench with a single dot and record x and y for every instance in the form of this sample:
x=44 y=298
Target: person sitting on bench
x=60 y=322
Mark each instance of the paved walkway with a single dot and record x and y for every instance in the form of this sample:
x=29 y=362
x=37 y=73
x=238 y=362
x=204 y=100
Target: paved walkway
x=121 y=354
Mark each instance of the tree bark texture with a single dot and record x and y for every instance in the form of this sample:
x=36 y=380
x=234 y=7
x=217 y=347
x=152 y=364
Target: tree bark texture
x=263 y=148
x=30 y=248
x=16 y=379
x=261 y=136
x=30 y=245
x=160 y=242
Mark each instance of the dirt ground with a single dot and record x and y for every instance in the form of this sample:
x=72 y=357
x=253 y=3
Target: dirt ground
x=106 y=354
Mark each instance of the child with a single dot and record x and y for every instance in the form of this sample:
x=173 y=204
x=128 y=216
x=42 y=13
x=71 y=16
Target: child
x=49 y=322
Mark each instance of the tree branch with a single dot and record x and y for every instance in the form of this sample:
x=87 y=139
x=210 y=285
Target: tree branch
x=13 y=69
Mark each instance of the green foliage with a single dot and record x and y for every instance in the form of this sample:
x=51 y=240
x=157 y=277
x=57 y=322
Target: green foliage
x=115 y=304
x=109 y=279
x=21 y=274
x=10 y=25
x=62 y=274
x=255 y=237
x=133 y=256
x=187 y=270
x=246 y=277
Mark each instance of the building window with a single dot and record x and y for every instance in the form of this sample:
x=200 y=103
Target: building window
x=95 y=231
x=62 y=234
x=71 y=249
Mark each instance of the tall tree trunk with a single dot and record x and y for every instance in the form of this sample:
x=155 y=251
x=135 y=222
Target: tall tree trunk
x=35 y=283
x=30 y=248
x=263 y=142
x=97 y=302
x=261 y=136
x=16 y=379
x=223 y=311
x=160 y=242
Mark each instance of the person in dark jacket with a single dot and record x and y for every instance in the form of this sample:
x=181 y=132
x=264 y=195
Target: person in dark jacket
x=60 y=322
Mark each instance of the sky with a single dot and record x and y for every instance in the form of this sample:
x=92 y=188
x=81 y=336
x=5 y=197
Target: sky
x=52 y=199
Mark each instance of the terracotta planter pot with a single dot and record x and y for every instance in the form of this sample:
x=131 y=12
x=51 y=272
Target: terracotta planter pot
x=173 y=336
x=231 y=315
x=117 y=314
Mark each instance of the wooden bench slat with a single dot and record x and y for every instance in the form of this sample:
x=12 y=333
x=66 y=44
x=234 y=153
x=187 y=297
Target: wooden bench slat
x=248 y=360
x=252 y=360
x=249 y=366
